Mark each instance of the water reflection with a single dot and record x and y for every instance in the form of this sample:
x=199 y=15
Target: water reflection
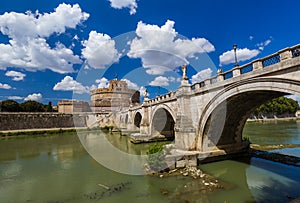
x=273 y=132
x=58 y=169
x=62 y=147
x=272 y=182
x=116 y=152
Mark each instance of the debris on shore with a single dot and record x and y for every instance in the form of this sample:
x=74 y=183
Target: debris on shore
x=200 y=182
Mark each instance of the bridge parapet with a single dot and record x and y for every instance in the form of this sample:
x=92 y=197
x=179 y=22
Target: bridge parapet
x=163 y=98
x=280 y=56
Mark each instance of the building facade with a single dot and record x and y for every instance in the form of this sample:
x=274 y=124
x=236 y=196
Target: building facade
x=73 y=106
x=298 y=114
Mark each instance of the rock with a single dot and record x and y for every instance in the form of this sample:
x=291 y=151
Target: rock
x=164 y=191
x=192 y=162
x=185 y=174
x=172 y=171
x=161 y=176
x=180 y=164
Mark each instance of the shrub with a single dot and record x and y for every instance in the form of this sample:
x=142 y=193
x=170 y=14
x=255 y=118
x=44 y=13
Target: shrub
x=156 y=157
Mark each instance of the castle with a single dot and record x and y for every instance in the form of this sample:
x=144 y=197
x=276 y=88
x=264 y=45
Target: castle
x=104 y=100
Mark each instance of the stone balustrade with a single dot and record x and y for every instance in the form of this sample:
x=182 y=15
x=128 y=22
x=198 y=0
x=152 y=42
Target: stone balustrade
x=284 y=54
x=161 y=98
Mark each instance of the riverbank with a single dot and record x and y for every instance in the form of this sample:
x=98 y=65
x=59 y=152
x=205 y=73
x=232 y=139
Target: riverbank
x=273 y=119
x=39 y=132
x=46 y=131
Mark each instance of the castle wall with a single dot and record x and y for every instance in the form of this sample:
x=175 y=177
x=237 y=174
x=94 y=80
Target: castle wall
x=70 y=106
x=16 y=121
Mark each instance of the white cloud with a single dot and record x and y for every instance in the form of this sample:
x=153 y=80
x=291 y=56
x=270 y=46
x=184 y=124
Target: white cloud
x=16 y=76
x=69 y=84
x=161 y=50
x=202 y=75
x=173 y=79
x=34 y=97
x=100 y=50
x=5 y=86
x=131 y=85
x=242 y=55
x=103 y=82
x=157 y=70
x=160 y=81
x=28 y=32
x=76 y=38
x=93 y=87
x=261 y=46
x=32 y=25
x=251 y=37
x=119 y=4
x=15 y=97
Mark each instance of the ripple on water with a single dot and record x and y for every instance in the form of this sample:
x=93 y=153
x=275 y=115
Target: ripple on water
x=11 y=170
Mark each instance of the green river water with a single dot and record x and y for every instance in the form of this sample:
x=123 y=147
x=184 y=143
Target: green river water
x=59 y=169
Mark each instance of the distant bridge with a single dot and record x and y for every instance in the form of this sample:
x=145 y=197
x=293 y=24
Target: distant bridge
x=209 y=116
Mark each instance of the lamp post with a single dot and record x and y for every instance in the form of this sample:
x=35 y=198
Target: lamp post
x=234 y=48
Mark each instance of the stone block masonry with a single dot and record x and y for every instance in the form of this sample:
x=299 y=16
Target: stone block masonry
x=18 y=121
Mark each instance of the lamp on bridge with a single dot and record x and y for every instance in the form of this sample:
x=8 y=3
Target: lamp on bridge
x=234 y=48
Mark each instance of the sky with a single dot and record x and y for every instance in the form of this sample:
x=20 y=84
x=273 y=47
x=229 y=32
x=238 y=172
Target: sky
x=53 y=50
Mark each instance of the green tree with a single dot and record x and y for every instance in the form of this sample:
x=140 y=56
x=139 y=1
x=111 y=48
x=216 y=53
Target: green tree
x=10 y=106
x=49 y=107
x=32 y=106
x=278 y=106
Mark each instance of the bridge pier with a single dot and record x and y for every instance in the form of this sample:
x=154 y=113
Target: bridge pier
x=145 y=123
x=185 y=132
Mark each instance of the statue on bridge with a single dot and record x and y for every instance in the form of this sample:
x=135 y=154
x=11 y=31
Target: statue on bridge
x=184 y=77
x=146 y=95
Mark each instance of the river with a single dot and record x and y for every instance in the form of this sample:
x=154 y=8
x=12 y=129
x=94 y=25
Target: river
x=59 y=169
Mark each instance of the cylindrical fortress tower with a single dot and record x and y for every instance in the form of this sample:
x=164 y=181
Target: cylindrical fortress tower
x=113 y=98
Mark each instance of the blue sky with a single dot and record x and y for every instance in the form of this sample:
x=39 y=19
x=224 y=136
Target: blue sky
x=50 y=48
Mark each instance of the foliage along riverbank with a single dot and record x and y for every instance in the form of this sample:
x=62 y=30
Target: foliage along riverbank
x=281 y=107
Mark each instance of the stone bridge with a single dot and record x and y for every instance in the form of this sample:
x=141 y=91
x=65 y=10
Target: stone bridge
x=210 y=115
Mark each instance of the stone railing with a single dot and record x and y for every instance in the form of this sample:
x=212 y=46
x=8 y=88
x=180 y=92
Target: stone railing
x=287 y=53
x=165 y=97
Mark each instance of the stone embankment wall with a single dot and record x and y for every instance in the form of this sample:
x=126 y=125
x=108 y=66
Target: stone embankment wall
x=16 y=121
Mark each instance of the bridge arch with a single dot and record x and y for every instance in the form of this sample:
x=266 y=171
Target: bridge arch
x=163 y=121
x=222 y=121
x=137 y=119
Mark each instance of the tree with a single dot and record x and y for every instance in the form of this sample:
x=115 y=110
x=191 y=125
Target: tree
x=49 y=107
x=10 y=106
x=32 y=106
x=279 y=106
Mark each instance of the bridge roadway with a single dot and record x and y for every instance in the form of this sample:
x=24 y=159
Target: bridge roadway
x=208 y=117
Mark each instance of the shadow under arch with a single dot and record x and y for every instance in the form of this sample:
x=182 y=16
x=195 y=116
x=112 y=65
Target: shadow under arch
x=137 y=119
x=163 y=122
x=126 y=119
x=222 y=121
